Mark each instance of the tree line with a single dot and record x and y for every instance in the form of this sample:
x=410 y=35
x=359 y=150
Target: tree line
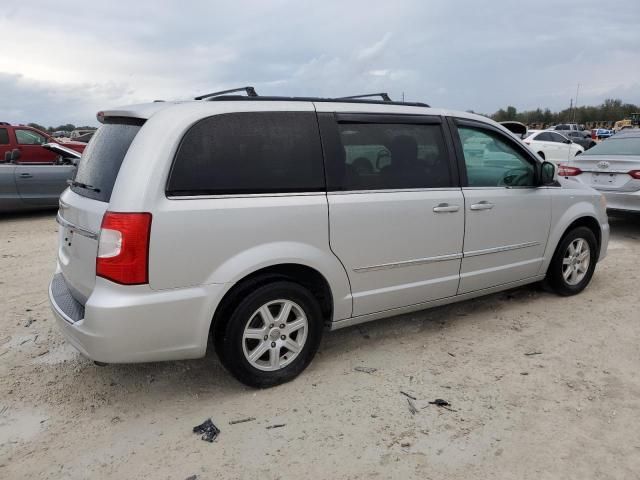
x=60 y=128
x=611 y=110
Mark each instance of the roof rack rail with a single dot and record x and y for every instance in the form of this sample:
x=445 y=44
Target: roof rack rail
x=5 y=123
x=251 y=92
x=384 y=95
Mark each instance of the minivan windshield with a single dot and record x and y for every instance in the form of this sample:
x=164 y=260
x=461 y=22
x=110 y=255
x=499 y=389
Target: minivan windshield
x=101 y=160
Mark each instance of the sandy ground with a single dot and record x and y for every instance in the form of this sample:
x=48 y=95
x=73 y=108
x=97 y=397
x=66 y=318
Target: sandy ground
x=569 y=411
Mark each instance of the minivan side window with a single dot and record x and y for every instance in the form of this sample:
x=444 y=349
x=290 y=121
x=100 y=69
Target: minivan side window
x=4 y=136
x=492 y=162
x=248 y=153
x=382 y=156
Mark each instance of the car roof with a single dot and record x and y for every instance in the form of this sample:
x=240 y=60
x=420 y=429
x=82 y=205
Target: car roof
x=145 y=111
x=632 y=132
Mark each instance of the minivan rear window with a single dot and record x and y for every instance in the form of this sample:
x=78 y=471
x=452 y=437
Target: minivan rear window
x=249 y=153
x=101 y=160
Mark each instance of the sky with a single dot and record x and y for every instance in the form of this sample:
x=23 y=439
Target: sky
x=63 y=61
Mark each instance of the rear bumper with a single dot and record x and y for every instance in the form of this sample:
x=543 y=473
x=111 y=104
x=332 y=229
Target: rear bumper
x=129 y=324
x=629 y=201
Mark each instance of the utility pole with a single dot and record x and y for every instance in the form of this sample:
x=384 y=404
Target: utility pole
x=576 y=104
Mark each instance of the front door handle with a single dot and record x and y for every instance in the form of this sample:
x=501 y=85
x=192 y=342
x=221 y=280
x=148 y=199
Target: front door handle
x=483 y=205
x=26 y=175
x=445 y=207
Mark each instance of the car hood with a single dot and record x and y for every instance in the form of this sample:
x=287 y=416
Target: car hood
x=61 y=149
x=73 y=145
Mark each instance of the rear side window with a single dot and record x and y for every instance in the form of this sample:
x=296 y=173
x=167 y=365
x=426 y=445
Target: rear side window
x=245 y=153
x=101 y=160
x=4 y=136
x=387 y=156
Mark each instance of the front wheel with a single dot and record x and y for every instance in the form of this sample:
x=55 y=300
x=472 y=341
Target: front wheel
x=574 y=262
x=272 y=335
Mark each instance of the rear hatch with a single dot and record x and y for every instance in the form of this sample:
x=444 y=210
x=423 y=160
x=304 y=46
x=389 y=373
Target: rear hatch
x=84 y=203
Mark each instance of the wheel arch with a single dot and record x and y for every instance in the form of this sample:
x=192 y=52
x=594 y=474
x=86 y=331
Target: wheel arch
x=302 y=274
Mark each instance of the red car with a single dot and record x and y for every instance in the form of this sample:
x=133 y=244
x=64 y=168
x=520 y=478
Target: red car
x=29 y=142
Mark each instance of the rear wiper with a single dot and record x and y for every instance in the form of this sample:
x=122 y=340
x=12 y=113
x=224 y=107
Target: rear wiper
x=75 y=183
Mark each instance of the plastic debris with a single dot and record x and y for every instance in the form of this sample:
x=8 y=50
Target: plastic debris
x=208 y=429
x=242 y=420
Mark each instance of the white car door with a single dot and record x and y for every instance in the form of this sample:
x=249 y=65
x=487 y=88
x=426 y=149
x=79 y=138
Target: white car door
x=563 y=147
x=396 y=211
x=507 y=216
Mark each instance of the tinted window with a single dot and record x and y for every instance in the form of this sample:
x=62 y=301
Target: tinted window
x=617 y=146
x=390 y=156
x=243 y=153
x=544 y=137
x=557 y=138
x=29 y=137
x=4 y=136
x=101 y=160
x=492 y=161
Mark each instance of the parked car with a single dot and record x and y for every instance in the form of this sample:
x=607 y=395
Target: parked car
x=564 y=127
x=29 y=142
x=32 y=186
x=552 y=146
x=581 y=138
x=241 y=223
x=600 y=133
x=81 y=133
x=612 y=167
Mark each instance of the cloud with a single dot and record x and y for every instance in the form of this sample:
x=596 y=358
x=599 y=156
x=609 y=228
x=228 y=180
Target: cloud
x=65 y=65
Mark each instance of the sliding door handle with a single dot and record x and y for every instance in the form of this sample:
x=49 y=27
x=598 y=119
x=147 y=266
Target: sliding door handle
x=483 y=205
x=445 y=207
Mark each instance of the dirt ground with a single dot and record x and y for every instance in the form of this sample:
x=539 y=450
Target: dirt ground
x=540 y=387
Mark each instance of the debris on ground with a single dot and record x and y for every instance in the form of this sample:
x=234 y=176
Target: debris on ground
x=208 y=429
x=452 y=354
x=366 y=369
x=439 y=402
x=277 y=425
x=192 y=477
x=43 y=353
x=524 y=373
x=407 y=395
x=405 y=445
x=29 y=322
x=364 y=333
x=533 y=353
x=242 y=420
x=412 y=407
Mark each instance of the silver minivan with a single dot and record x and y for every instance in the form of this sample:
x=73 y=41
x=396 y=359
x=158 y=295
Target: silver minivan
x=252 y=224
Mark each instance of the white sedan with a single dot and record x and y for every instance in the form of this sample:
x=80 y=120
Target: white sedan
x=552 y=146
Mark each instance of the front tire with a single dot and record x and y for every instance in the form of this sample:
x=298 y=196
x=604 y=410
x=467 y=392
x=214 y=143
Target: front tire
x=272 y=335
x=573 y=262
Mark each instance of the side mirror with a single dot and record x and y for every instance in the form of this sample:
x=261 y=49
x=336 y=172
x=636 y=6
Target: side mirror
x=547 y=173
x=568 y=141
x=12 y=156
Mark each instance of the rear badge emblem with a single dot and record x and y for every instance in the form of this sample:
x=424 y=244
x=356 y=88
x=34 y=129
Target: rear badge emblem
x=602 y=165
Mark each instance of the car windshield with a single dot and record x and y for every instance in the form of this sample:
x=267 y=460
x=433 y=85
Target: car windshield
x=616 y=146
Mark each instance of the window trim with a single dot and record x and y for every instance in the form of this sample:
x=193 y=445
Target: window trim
x=455 y=122
x=203 y=194
x=330 y=137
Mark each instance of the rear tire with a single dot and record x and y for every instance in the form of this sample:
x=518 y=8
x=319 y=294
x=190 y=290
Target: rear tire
x=272 y=335
x=573 y=262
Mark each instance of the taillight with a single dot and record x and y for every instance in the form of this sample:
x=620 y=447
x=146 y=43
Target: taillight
x=567 y=171
x=123 y=250
x=635 y=174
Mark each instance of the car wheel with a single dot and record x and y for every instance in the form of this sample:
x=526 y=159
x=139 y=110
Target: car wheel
x=272 y=335
x=573 y=262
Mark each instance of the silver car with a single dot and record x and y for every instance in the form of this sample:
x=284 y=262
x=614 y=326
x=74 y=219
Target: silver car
x=613 y=168
x=252 y=224
x=35 y=186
